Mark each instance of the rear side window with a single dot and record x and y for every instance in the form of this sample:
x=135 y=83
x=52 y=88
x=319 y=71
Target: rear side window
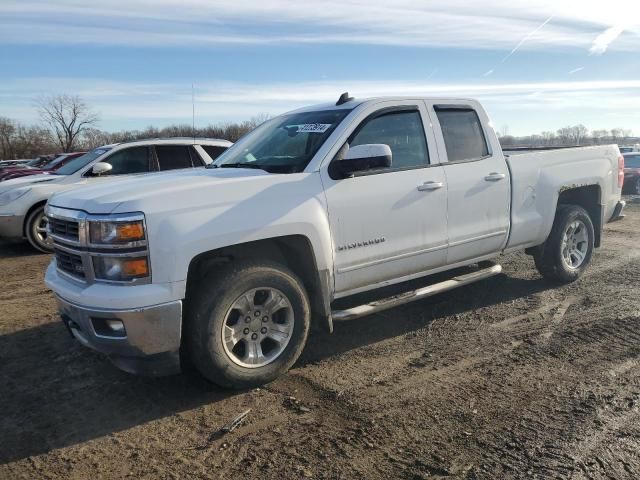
x=404 y=134
x=171 y=157
x=130 y=160
x=463 y=135
x=213 y=151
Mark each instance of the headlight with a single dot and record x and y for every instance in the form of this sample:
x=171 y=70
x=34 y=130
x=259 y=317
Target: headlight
x=116 y=232
x=8 y=197
x=120 y=269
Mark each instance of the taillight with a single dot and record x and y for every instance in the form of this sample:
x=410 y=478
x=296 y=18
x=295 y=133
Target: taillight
x=620 y=171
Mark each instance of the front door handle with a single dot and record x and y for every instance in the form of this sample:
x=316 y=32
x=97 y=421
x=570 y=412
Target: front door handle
x=426 y=186
x=494 y=177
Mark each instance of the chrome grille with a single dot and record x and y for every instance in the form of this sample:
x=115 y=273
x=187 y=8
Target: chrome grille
x=64 y=228
x=69 y=263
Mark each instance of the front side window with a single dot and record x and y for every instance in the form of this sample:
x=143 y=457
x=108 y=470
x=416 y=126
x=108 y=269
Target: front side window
x=171 y=157
x=402 y=131
x=284 y=144
x=77 y=163
x=130 y=160
x=463 y=135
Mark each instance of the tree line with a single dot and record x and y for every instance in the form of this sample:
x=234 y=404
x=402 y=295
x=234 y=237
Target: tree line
x=573 y=135
x=68 y=124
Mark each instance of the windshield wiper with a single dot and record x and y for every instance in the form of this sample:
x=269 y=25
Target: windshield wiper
x=241 y=165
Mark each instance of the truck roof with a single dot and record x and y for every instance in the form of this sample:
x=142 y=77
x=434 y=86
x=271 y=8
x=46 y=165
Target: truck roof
x=355 y=102
x=173 y=141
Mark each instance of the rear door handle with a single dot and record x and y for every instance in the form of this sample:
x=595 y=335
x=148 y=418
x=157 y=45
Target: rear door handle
x=426 y=186
x=494 y=177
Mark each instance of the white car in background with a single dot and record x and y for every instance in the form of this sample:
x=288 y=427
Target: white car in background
x=22 y=200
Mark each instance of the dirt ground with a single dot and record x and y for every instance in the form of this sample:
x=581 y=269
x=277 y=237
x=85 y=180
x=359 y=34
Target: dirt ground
x=507 y=378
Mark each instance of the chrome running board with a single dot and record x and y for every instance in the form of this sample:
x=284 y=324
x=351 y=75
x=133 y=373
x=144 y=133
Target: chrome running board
x=413 y=295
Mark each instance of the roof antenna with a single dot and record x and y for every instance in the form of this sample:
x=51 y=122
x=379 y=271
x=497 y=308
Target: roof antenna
x=193 y=114
x=344 y=98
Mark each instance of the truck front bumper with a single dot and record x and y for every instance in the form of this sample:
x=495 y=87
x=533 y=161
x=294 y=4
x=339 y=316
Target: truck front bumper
x=11 y=225
x=143 y=341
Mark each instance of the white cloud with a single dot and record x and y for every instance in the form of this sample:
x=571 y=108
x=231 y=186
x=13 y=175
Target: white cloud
x=606 y=38
x=124 y=105
x=451 y=23
x=575 y=70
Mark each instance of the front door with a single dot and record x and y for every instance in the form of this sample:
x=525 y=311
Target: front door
x=392 y=222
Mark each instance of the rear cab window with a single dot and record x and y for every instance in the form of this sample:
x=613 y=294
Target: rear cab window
x=462 y=132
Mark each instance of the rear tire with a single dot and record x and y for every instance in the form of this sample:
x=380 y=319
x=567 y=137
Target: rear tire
x=247 y=324
x=567 y=252
x=36 y=233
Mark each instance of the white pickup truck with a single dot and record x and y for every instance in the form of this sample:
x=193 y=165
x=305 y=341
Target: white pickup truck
x=229 y=267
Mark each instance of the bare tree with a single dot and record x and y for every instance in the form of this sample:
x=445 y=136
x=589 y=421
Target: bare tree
x=68 y=116
x=7 y=133
x=548 y=137
x=578 y=132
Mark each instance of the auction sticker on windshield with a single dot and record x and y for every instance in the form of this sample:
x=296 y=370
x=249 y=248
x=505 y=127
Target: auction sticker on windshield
x=314 y=127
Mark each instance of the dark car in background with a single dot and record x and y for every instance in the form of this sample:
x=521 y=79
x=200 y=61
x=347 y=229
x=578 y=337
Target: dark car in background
x=631 y=172
x=49 y=167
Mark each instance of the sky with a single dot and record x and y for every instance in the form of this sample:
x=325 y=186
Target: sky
x=537 y=65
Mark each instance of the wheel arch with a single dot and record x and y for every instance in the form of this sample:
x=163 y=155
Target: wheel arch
x=589 y=198
x=293 y=251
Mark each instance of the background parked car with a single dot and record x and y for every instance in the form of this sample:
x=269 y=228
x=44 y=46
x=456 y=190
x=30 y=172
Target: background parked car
x=22 y=200
x=37 y=162
x=10 y=163
x=50 y=167
x=631 y=173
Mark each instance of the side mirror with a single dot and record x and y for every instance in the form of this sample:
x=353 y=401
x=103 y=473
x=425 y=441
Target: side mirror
x=101 y=168
x=364 y=157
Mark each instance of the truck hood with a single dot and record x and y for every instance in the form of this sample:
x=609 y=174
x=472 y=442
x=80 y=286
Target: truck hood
x=168 y=191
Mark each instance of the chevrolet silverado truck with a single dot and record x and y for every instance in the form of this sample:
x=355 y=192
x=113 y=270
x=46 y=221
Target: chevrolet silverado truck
x=227 y=268
x=22 y=200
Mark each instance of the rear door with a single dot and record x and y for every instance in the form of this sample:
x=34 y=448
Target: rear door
x=477 y=179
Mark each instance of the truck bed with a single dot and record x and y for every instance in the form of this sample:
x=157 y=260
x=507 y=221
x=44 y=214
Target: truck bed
x=537 y=176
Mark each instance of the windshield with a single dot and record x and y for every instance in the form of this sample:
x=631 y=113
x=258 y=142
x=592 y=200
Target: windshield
x=77 y=163
x=285 y=144
x=35 y=162
x=632 y=161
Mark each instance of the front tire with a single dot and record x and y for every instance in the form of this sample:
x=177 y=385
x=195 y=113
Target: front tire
x=247 y=324
x=567 y=252
x=36 y=231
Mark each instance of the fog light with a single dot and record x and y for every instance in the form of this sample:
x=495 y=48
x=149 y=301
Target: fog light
x=108 y=327
x=115 y=325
